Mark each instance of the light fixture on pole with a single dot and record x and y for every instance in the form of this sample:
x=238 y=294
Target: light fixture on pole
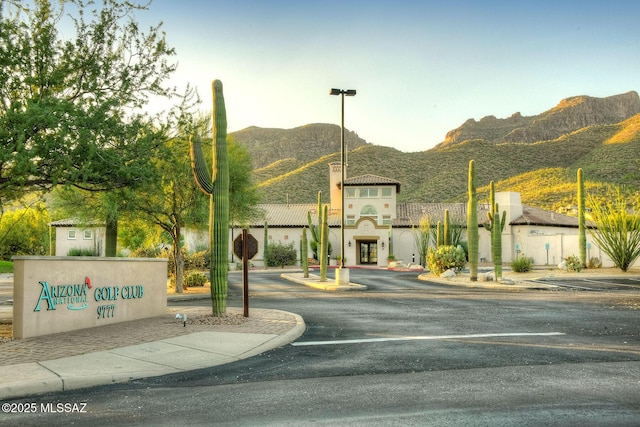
x=342 y=93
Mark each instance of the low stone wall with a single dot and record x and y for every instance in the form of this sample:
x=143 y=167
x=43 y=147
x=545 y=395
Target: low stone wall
x=58 y=294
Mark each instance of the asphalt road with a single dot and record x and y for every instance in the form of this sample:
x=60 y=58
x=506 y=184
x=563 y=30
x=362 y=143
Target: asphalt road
x=404 y=352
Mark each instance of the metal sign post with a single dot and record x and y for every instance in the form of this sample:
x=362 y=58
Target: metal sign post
x=245 y=246
x=245 y=271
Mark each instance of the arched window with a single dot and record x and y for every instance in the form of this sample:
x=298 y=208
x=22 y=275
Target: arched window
x=370 y=211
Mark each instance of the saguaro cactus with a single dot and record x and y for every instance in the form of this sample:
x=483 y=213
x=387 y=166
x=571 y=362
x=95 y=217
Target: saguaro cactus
x=582 y=235
x=265 y=250
x=315 y=230
x=446 y=234
x=495 y=227
x=324 y=245
x=304 y=252
x=472 y=223
x=216 y=185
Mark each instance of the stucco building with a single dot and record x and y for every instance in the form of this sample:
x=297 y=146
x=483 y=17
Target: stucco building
x=375 y=223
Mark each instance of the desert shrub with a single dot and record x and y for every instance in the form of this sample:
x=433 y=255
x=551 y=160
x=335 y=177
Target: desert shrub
x=146 y=252
x=281 y=255
x=195 y=279
x=445 y=258
x=594 y=262
x=522 y=264
x=198 y=260
x=572 y=263
x=81 y=252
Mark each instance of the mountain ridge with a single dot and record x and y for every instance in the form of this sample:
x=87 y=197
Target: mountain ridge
x=607 y=151
x=303 y=143
x=569 y=115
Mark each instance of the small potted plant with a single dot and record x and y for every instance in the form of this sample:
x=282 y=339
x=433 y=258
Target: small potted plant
x=391 y=261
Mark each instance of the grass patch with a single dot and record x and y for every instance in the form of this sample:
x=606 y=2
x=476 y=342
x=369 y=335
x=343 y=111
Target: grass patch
x=6 y=267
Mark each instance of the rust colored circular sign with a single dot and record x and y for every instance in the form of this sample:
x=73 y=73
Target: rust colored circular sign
x=253 y=246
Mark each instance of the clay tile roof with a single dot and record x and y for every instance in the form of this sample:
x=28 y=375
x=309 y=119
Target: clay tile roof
x=371 y=180
x=72 y=222
x=293 y=215
x=410 y=213
x=536 y=216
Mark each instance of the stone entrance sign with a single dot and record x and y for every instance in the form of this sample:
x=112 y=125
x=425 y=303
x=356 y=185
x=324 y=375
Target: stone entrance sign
x=58 y=294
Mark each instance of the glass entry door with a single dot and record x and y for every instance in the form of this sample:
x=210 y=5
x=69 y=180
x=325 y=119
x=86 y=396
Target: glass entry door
x=369 y=252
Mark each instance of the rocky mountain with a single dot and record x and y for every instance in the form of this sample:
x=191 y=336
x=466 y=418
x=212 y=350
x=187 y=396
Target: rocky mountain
x=568 y=116
x=303 y=144
x=537 y=156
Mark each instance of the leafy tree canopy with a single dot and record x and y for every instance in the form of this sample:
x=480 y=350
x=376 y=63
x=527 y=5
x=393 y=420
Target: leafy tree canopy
x=70 y=107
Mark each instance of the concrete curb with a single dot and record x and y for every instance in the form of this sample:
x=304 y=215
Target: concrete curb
x=314 y=282
x=197 y=350
x=519 y=285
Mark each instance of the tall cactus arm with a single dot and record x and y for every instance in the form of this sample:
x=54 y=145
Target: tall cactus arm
x=219 y=204
x=472 y=223
x=201 y=172
x=319 y=208
x=582 y=236
x=445 y=228
x=487 y=225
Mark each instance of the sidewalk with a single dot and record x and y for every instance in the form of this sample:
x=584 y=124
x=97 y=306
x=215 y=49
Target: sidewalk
x=122 y=352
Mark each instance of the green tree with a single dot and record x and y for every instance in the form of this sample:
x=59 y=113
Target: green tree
x=24 y=231
x=172 y=202
x=141 y=237
x=169 y=201
x=91 y=206
x=616 y=229
x=243 y=193
x=71 y=107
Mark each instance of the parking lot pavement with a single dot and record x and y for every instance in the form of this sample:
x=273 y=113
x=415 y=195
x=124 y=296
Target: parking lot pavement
x=594 y=283
x=549 y=277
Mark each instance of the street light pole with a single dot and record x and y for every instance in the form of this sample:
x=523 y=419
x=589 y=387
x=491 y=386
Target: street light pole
x=342 y=93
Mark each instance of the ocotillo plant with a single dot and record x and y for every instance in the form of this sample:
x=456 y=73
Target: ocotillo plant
x=304 y=252
x=495 y=227
x=216 y=185
x=472 y=223
x=582 y=235
x=324 y=245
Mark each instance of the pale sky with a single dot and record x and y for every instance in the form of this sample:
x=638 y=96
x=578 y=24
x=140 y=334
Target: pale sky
x=420 y=68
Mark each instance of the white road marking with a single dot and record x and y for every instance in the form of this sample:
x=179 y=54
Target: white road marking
x=418 y=338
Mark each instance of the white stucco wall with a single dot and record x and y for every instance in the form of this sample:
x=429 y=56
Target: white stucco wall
x=68 y=238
